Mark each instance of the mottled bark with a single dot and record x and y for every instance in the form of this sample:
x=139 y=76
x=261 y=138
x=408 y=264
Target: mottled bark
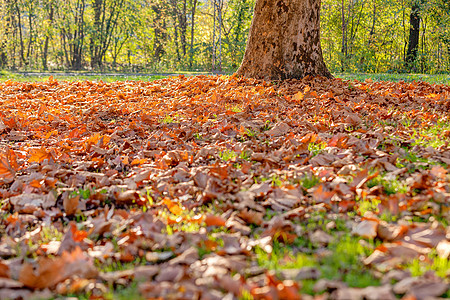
x=284 y=41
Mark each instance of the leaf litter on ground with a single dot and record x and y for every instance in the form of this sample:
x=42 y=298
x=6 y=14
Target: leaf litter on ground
x=187 y=186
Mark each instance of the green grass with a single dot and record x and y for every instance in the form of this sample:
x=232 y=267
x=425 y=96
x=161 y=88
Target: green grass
x=343 y=263
x=435 y=79
x=50 y=233
x=128 y=292
x=167 y=120
x=227 y=155
x=82 y=76
x=440 y=265
x=368 y=205
x=432 y=136
x=4 y=76
x=390 y=186
x=112 y=265
x=316 y=148
x=111 y=77
x=307 y=181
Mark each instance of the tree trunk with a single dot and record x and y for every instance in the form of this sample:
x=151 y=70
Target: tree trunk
x=160 y=35
x=96 y=36
x=183 y=26
x=47 y=37
x=31 y=31
x=191 y=50
x=19 y=25
x=344 y=37
x=284 y=41
x=77 y=47
x=414 y=30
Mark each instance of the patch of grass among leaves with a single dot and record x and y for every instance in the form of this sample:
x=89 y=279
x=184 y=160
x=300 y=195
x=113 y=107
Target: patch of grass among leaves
x=342 y=261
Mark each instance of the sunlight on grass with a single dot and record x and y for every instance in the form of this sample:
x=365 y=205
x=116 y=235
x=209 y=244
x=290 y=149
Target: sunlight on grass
x=437 y=78
x=440 y=265
x=80 y=76
x=316 y=148
x=282 y=258
x=390 y=185
x=309 y=181
x=50 y=233
x=435 y=136
x=227 y=155
x=344 y=262
x=367 y=206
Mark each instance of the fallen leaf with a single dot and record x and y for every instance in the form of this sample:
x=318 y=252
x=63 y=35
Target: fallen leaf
x=366 y=229
x=279 y=129
x=212 y=220
x=71 y=205
x=39 y=155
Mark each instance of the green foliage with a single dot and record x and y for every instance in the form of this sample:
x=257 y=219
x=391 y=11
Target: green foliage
x=342 y=263
x=421 y=265
x=362 y=37
x=308 y=181
x=316 y=148
x=227 y=155
x=155 y=36
x=368 y=205
x=433 y=135
x=390 y=186
x=434 y=78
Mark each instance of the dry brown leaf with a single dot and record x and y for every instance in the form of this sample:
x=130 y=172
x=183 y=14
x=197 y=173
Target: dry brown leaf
x=366 y=229
x=71 y=205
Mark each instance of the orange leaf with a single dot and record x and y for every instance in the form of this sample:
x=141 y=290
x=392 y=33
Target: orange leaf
x=4 y=270
x=196 y=219
x=288 y=290
x=212 y=220
x=8 y=166
x=210 y=245
x=137 y=161
x=47 y=274
x=299 y=96
x=322 y=195
x=12 y=219
x=173 y=207
x=36 y=183
x=39 y=155
x=125 y=160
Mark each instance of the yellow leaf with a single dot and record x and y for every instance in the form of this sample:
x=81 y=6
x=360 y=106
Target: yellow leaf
x=299 y=96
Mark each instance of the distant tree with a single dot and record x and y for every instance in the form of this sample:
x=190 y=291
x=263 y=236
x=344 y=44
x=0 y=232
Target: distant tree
x=72 y=28
x=414 y=31
x=49 y=8
x=106 y=16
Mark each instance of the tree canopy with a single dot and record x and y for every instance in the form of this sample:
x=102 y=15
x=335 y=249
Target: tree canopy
x=167 y=35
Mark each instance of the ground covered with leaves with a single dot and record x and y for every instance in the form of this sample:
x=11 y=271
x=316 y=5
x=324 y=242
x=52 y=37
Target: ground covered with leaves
x=220 y=187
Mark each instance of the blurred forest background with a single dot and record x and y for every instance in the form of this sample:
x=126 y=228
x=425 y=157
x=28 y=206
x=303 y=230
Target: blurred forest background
x=372 y=36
